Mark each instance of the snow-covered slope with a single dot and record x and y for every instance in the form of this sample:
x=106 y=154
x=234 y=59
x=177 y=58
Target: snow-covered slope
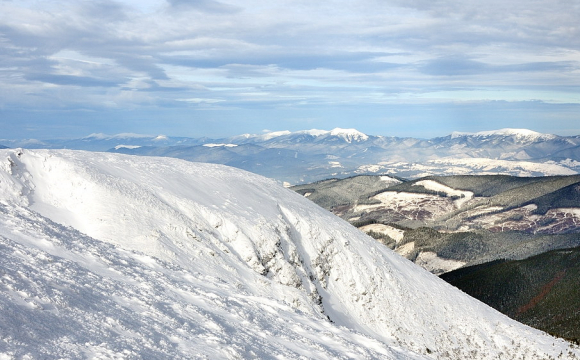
x=107 y=255
x=64 y=295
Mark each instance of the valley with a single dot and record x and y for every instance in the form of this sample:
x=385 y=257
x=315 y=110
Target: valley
x=541 y=291
x=467 y=228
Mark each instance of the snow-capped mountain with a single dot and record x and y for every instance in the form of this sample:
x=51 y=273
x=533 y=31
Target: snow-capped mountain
x=337 y=135
x=106 y=255
x=311 y=155
x=519 y=134
x=349 y=135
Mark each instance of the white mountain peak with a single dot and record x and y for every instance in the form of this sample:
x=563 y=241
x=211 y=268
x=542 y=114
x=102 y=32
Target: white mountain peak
x=161 y=138
x=274 y=134
x=517 y=133
x=313 y=132
x=349 y=135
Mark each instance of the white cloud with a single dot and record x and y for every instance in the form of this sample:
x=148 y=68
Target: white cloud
x=287 y=53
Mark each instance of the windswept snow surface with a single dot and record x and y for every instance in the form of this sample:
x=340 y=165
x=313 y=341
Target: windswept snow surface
x=112 y=256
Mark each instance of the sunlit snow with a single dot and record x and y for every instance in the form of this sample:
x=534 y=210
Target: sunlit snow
x=113 y=256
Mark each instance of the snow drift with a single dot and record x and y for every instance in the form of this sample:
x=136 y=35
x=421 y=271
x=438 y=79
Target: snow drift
x=105 y=255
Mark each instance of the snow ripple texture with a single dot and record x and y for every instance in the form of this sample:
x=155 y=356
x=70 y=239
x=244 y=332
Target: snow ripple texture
x=112 y=256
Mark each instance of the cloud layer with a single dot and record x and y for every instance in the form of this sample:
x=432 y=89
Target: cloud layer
x=194 y=64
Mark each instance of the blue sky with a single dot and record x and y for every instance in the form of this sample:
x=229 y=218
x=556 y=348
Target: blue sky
x=217 y=68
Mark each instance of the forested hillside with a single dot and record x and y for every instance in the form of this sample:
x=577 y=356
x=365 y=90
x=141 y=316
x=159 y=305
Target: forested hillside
x=511 y=242
x=541 y=291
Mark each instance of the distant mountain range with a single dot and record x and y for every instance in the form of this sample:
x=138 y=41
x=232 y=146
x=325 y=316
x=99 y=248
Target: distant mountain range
x=311 y=155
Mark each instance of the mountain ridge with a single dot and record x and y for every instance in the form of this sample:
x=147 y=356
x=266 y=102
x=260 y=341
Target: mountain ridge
x=311 y=155
x=346 y=134
x=524 y=134
x=236 y=235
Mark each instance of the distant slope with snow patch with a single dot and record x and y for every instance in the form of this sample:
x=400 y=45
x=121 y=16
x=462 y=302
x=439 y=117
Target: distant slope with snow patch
x=158 y=257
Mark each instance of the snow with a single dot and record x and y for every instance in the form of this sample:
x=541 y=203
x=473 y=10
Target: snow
x=101 y=136
x=363 y=169
x=471 y=166
x=412 y=206
x=106 y=255
x=274 y=134
x=127 y=147
x=481 y=210
x=219 y=145
x=518 y=133
x=407 y=249
x=392 y=232
x=390 y=180
x=313 y=132
x=349 y=135
x=82 y=298
x=464 y=196
x=495 y=166
x=436 y=265
x=555 y=221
